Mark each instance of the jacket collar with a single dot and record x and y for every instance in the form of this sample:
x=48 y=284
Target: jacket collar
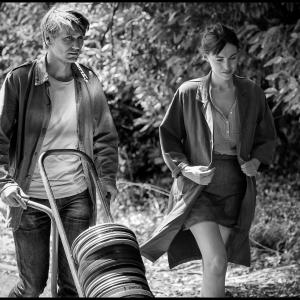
x=203 y=89
x=41 y=75
x=202 y=93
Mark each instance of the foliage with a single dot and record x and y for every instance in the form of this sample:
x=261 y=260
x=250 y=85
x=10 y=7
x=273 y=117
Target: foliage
x=20 y=37
x=143 y=51
x=276 y=224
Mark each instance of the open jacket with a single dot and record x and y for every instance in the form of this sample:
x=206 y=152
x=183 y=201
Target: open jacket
x=25 y=110
x=186 y=137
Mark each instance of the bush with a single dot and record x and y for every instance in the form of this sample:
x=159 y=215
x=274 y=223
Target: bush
x=142 y=52
x=276 y=224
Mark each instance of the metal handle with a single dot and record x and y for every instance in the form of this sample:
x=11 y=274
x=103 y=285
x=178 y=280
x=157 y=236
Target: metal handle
x=48 y=211
x=55 y=212
x=93 y=170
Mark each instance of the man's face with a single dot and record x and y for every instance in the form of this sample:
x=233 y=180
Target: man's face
x=66 y=45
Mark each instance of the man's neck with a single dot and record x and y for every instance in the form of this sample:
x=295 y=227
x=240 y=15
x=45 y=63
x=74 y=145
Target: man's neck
x=58 y=69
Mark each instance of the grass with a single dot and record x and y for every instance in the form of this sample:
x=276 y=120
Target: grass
x=276 y=224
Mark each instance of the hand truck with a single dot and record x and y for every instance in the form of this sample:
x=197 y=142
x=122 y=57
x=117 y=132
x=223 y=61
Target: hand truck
x=57 y=229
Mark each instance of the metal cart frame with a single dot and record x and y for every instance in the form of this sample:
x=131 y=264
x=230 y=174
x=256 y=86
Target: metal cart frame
x=57 y=229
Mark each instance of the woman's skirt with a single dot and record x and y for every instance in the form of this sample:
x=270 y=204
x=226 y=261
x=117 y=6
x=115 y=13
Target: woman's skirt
x=221 y=199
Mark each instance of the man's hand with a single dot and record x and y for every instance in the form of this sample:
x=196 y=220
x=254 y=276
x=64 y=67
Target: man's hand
x=199 y=174
x=250 y=167
x=12 y=196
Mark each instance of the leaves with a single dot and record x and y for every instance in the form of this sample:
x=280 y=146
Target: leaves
x=143 y=51
x=270 y=92
x=274 y=61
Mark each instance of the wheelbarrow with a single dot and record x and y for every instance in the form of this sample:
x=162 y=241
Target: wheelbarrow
x=104 y=260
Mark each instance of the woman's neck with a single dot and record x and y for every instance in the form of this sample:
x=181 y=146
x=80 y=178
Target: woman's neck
x=220 y=83
x=58 y=69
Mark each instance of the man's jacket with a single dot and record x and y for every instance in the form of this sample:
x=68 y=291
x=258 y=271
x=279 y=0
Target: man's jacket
x=186 y=137
x=25 y=110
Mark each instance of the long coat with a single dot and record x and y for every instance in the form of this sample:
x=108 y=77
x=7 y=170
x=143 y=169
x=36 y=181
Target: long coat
x=186 y=137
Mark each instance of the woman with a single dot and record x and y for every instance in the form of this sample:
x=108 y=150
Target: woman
x=217 y=132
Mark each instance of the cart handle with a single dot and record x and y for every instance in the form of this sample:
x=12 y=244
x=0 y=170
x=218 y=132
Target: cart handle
x=54 y=209
x=96 y=179
x=48 y=211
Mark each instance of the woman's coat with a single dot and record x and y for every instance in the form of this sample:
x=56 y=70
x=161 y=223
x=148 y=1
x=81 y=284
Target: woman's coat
x=186 y=137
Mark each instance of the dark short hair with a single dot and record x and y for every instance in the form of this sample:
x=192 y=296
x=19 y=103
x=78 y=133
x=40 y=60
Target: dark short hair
x=215 y=37
x=60 y=16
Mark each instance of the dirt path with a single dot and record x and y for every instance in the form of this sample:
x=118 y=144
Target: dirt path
x=186 y=280
x=182 y=281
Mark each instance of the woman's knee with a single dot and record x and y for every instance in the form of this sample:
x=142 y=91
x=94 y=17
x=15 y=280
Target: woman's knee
x=217 y=265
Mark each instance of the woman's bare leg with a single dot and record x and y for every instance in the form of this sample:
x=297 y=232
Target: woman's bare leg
x=209 y=237
x=225 y=232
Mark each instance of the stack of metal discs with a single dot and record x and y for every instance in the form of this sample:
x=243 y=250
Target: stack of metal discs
x=109 y=263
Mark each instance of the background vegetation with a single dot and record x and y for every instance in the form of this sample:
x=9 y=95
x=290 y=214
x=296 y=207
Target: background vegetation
x=143 y=51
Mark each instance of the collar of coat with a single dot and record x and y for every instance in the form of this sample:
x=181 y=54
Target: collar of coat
x=41 y=75
x=204 y=86
x=243 y=98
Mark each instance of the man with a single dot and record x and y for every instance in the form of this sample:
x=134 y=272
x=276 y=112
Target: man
x=53 y=102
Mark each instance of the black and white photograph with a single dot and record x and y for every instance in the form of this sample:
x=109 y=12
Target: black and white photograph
x=149 y=149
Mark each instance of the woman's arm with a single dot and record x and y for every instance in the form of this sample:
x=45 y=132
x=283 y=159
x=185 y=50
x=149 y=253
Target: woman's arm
x=171 y=134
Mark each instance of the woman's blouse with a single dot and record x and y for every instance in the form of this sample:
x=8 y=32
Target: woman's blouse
x=226 y=130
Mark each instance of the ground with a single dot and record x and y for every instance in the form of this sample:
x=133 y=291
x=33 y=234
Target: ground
x=184 y=280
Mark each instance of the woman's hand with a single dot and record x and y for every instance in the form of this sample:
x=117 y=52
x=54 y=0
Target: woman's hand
x=250 y=167
x=199 y=174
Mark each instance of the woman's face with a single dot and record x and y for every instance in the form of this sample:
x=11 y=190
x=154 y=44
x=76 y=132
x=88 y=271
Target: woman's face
x=224 y=64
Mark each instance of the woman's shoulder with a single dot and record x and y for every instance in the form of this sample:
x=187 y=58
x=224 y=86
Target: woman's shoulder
x=191 y=84
x=247 y=83
x=253 y=91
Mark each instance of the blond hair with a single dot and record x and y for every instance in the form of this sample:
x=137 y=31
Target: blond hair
x=62 y=16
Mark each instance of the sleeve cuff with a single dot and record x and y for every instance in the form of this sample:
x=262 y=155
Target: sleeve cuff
x=8 y=185
x=177 y=170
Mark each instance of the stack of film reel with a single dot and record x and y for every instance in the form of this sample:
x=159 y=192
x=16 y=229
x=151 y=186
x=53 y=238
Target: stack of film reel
x=109 y=263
